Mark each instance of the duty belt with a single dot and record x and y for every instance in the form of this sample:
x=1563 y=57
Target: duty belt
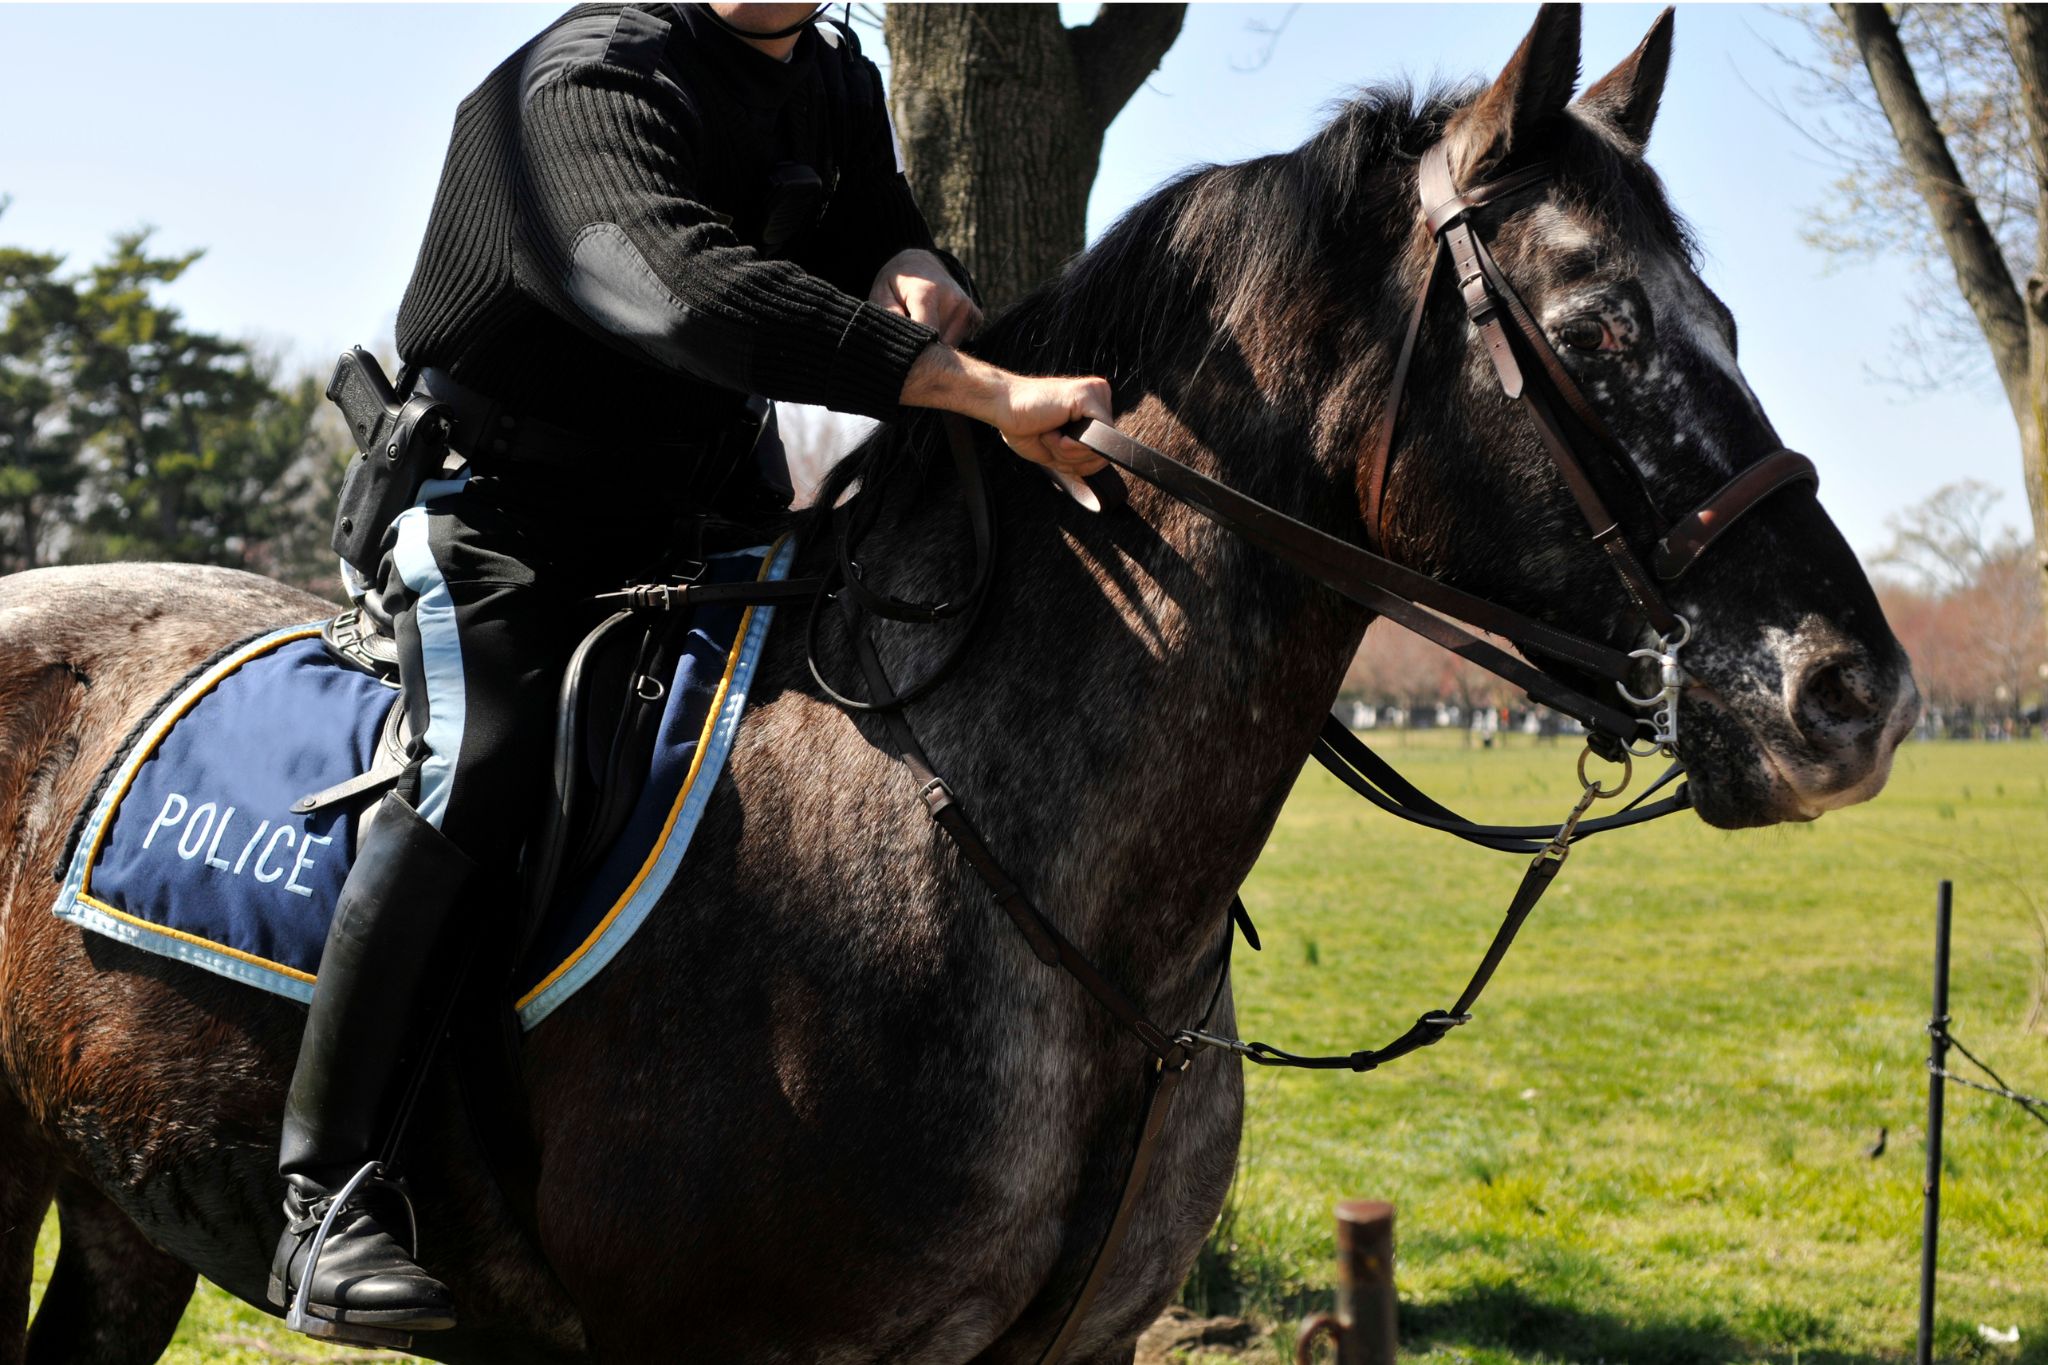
x=489 y=433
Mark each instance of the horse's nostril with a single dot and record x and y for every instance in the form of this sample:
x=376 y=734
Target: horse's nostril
x=1839 y=695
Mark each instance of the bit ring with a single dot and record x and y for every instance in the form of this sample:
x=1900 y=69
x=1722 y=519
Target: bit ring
x=1628 y=771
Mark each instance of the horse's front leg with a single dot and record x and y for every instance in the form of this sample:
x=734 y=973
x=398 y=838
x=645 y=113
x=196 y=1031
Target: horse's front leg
x=25 y=1185
x=113 y=1299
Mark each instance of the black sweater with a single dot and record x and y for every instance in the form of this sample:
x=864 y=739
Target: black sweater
x=595 y=257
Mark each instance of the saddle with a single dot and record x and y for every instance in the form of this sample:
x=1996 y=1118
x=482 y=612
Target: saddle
x=607 y=717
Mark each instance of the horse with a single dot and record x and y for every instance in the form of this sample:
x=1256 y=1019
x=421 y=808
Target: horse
x=826 y=1106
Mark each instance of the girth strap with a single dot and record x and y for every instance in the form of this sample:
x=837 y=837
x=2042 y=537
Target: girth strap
x=1170 y=1055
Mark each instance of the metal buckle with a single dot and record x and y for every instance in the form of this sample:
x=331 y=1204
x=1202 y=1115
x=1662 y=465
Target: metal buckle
x=1194 y=1040
x=936 y=796
x=1590 y=791
x=1663 y=703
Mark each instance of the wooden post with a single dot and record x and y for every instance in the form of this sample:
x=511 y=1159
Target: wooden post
x=1363 y=1326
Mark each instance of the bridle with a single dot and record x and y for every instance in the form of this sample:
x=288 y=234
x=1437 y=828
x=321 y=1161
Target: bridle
x=1529 y=371
x=1513 y=341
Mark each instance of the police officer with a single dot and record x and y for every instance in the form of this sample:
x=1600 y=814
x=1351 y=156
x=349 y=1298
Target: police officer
x=647 y=215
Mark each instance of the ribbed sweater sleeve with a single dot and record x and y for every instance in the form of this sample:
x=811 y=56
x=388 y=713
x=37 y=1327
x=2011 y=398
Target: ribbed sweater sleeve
x=605 y=174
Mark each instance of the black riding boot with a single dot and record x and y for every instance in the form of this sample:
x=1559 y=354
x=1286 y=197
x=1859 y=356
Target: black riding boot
x=362 y=1042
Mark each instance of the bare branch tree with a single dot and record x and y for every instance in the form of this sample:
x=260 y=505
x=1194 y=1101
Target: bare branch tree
x=1942 y=134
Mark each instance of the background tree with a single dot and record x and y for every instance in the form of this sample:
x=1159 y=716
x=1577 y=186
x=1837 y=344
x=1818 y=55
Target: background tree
x=158 y=401
x=1965 y=601
x=197 y=451
x=1955 y=170
x=1001 y=110
x=39 y=450
x=125 y=433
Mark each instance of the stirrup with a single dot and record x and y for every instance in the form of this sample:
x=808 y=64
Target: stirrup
x=298 y=1319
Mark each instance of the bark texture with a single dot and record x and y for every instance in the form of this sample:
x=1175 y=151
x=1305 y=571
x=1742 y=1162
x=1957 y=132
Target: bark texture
x=1001 y=111
x=2015 y=325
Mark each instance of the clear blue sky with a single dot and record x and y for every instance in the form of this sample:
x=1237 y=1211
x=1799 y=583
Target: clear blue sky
x=299 y=145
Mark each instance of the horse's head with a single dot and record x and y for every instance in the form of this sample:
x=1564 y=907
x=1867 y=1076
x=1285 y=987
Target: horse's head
x=1798 y=692
x=1247 y=313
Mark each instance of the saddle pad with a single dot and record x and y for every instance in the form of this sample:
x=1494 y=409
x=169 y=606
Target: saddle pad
x=192 y=851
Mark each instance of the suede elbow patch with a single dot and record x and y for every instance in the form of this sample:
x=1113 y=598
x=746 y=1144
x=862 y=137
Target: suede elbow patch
x=612 y=282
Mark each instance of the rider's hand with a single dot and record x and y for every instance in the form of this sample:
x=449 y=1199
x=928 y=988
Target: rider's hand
x=916 y=284
x=1028 y=410
x=1031 y=411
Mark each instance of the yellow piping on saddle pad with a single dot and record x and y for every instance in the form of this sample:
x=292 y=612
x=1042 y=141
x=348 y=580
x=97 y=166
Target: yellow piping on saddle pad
x=142 y=754
x=675 y=810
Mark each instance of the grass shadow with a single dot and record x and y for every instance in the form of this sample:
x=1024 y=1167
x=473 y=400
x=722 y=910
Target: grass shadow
x=1507 y=1316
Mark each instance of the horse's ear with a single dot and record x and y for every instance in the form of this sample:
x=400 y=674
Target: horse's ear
x=1530 y=94
x=1627 y=96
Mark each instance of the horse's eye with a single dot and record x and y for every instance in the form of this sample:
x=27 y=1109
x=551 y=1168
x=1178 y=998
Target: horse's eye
x=1586 y=334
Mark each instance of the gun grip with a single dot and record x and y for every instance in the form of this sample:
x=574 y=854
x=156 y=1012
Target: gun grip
x=365 y=397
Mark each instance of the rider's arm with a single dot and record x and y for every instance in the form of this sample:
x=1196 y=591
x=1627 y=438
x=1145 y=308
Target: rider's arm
x=874 y=240
x=1028 y=409
x=606 y=172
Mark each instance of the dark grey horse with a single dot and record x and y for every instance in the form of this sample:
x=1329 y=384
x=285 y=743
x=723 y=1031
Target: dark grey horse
x=826 y=1106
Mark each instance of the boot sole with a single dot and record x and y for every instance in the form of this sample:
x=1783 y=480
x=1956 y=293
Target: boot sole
x=390 y=1328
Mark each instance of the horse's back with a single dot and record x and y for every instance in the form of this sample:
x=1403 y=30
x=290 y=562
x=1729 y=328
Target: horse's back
x=87 y=651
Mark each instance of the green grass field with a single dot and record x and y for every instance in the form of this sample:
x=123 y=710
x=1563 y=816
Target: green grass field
x=1649 y=1149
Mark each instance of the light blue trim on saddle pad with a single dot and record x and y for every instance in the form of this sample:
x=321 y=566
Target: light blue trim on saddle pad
x=238 y=886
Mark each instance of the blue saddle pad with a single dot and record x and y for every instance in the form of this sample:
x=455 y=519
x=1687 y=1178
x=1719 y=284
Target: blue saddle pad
x=191 y=849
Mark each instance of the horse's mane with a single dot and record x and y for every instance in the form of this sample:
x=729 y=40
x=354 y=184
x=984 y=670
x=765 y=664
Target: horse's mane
x=1238 y=239
x=1127 y=297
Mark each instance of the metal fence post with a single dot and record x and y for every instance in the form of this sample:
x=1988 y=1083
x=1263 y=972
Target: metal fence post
x=1363 y=1326
x=1937 y=1060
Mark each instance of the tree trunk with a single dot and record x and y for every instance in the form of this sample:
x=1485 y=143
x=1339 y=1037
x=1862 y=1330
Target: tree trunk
x=2027 y=31
x=1001 y=112
x=2015 y=329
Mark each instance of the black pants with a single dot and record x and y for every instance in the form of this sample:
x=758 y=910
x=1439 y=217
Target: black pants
x=489 y=583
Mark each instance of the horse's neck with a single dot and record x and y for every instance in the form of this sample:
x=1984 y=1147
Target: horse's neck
x=1142 y=696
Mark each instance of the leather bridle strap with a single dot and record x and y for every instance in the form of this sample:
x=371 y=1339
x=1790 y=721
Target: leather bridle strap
x=1354 y=764
x=1684 y=543
x=1432 y=1026
x=1493 y=307
x=845 y=580
x=1385 y=587
x=1171 y=1054
x=1491 y=303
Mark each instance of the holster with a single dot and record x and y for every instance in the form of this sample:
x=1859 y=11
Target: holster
x=400 y=444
